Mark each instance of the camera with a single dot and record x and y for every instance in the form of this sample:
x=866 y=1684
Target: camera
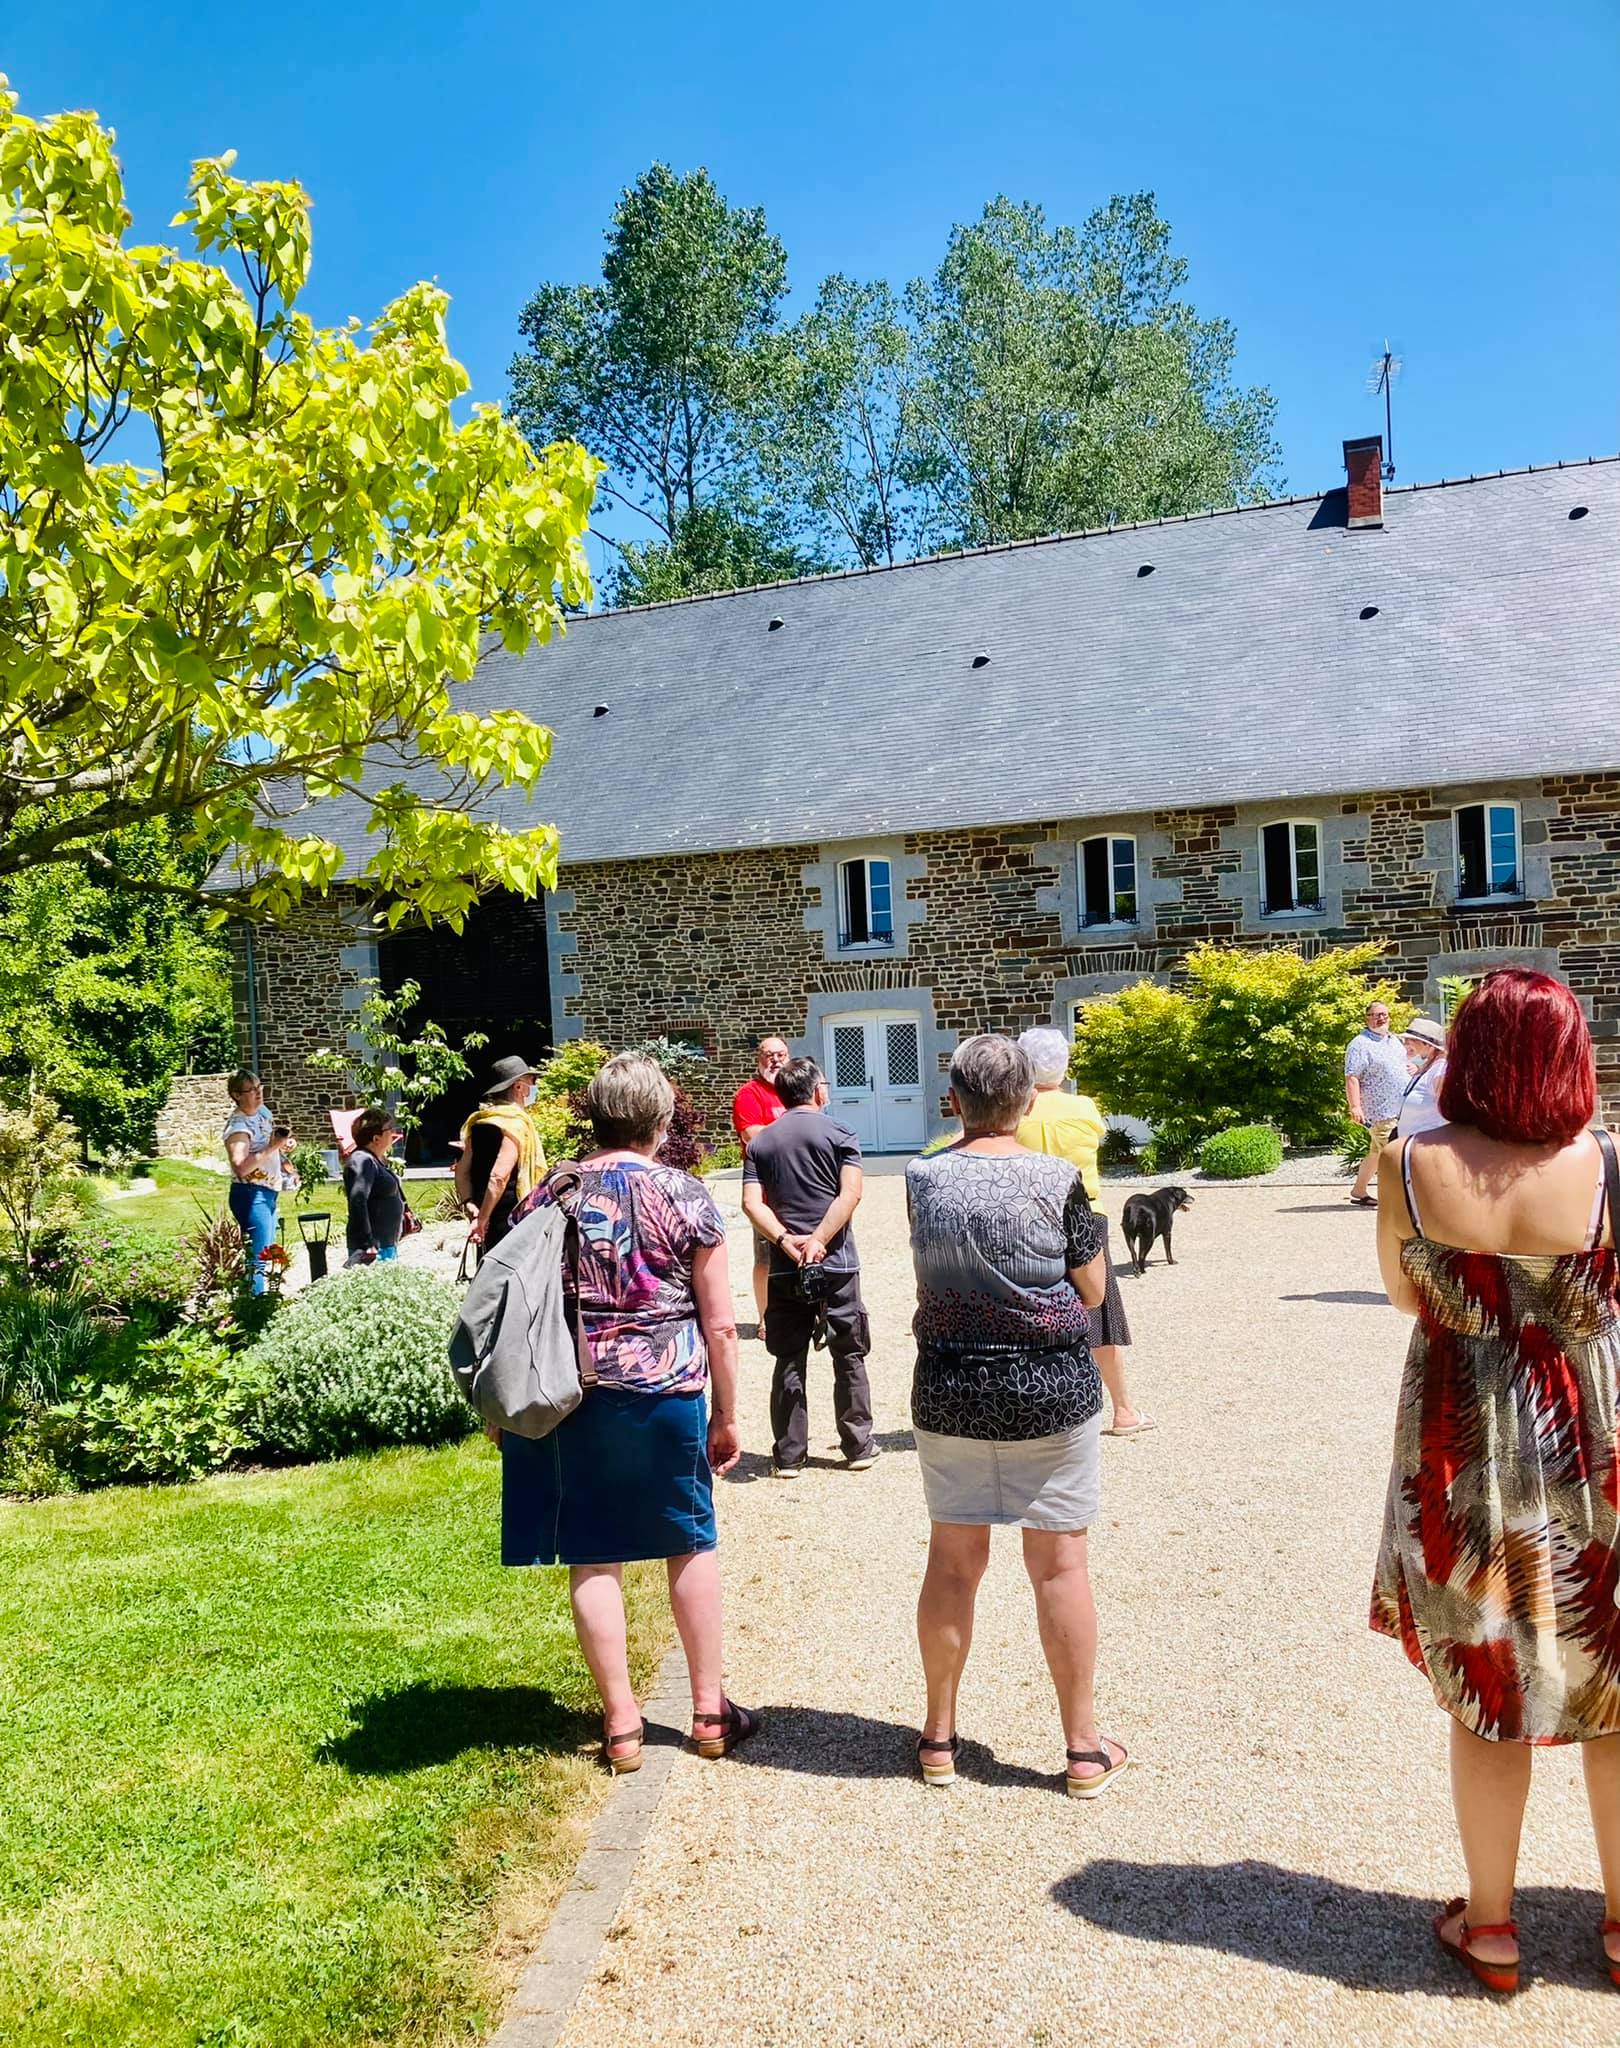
x=814 y=1284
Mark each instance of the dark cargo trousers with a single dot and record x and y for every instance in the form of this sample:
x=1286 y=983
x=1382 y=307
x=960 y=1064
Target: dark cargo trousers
x=790 y=1323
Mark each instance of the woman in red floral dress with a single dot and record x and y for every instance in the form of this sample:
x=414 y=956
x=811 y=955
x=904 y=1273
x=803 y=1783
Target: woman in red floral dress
x=1499 y=1569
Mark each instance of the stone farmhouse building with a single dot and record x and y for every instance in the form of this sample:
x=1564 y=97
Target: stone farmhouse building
x=879 y=811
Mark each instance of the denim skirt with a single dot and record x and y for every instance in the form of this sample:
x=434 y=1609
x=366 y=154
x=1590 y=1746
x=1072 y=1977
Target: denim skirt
x=626 y=1476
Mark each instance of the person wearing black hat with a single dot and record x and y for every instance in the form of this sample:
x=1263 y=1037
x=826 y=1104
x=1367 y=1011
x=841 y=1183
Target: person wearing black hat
x=501 y=1158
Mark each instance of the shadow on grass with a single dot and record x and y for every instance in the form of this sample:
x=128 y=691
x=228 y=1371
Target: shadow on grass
x=1318 y=1927
x=422 y=1725
x=1351 y=1297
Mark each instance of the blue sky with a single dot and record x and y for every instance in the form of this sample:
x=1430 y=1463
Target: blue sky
x=1445 y=174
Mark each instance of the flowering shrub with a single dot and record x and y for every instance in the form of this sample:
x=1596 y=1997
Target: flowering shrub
x=558 y=1108
x=121 y=1270
x=357 y=1362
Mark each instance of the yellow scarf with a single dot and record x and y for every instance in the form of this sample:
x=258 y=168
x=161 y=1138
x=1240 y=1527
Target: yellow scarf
x=514 y=1122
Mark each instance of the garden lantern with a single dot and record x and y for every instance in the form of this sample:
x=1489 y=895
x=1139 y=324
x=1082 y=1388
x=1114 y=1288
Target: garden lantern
x=315 y=1228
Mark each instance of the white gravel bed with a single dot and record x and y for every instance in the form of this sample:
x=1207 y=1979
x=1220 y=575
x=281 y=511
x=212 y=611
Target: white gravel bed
x=1264 y=1877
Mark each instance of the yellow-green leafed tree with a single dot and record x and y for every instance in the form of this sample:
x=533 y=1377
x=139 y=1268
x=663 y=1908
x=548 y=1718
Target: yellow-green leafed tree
x=244 y=559
x=1251 y=1035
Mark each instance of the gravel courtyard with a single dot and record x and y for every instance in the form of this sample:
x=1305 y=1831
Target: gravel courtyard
x=1265 y=1875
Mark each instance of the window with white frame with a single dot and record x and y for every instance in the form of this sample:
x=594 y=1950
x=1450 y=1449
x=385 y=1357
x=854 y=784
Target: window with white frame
x=1488 y=862
x=1290 y=867
x=1108 y=880
x=865 y=903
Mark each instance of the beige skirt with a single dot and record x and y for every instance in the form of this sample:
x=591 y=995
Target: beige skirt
x=1043 y=1482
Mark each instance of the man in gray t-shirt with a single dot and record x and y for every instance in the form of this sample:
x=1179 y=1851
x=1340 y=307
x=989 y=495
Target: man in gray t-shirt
x=801 y=1185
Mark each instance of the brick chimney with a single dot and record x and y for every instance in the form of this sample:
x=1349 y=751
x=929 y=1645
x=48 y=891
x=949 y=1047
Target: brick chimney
x=1364 y=466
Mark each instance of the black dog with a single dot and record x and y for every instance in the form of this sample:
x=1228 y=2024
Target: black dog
x=1150 y=1216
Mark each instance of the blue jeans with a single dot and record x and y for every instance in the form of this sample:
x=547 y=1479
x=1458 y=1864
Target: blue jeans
x=254 y=1208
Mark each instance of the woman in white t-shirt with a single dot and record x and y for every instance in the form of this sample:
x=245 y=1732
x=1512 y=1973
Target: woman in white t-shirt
x=1425 y=1044
x=257 y=1147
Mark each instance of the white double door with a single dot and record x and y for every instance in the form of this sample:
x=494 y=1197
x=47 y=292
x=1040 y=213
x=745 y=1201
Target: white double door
x=874 y=1067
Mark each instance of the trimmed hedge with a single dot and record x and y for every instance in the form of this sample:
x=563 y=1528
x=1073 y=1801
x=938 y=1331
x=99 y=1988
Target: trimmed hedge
x=1242 y=1152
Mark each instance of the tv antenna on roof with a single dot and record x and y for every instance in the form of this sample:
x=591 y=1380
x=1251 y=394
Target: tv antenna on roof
x=1381 y=378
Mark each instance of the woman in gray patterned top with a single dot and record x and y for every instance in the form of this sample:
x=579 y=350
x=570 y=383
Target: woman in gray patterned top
x=1006 y=1403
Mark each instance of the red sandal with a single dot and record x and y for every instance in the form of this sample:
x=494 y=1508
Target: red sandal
x=1610 y=1963
x=1502 y=1977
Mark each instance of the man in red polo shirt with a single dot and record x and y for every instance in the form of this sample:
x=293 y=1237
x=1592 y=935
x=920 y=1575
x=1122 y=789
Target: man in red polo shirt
x=755 y=1105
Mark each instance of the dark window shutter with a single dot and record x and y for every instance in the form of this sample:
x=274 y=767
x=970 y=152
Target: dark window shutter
x=856 y=930
x=1279 y=870
x=1474 y=876
x=1099 y=907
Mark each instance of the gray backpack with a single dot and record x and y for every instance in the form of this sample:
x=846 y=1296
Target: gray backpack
x=513 y=1352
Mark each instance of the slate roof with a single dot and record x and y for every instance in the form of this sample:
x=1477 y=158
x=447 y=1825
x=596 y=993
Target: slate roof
x=1239 y=669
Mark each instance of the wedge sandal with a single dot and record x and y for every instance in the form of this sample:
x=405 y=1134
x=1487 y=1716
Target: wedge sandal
x=620 y=1758
x=1500 y=1977
x=1112 y=1767
x=736 y=1724
x=936 y=1759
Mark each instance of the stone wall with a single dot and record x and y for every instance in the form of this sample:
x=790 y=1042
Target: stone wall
x=193 y=1115
x=723 y=948
x=305 y=987
x=710 y=947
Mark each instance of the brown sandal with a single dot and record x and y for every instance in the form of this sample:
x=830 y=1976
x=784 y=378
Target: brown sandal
x=618 y=1759
x=1494 y=1976
x=1094 y=1788
x=736 y=1724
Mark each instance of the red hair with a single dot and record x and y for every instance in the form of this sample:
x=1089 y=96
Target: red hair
x=1519 y=1062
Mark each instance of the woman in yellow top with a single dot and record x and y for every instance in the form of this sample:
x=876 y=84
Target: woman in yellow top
x=1072 y=1126
x=501 y=1157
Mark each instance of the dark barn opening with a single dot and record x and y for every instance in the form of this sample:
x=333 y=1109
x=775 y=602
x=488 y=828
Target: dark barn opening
x=493 y=978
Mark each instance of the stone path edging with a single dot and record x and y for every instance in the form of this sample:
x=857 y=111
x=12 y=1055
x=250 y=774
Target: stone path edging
x=555 y=1974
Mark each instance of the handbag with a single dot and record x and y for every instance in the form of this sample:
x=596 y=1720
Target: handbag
x=517 y=1353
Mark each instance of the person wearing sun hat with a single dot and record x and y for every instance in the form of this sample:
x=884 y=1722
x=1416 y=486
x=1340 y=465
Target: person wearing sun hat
x=1425 y=1043
x=501 y=1159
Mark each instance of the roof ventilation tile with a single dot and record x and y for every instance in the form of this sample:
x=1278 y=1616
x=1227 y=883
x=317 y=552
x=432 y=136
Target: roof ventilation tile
x=1369 y=611
x=1146 y=569
x=981 y=661
x=773 y=625
x=1578 y=511
x=601 y=711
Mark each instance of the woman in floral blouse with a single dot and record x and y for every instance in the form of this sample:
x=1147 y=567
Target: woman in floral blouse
x=629 y=1474
x=1006 y=1402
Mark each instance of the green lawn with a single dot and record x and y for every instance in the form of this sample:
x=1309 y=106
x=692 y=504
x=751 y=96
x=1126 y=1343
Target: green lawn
x=172 y=1208
x=284 y=1759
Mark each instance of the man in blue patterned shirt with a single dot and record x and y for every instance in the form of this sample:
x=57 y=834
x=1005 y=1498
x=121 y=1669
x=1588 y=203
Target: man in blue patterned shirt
x=1375 y=1078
